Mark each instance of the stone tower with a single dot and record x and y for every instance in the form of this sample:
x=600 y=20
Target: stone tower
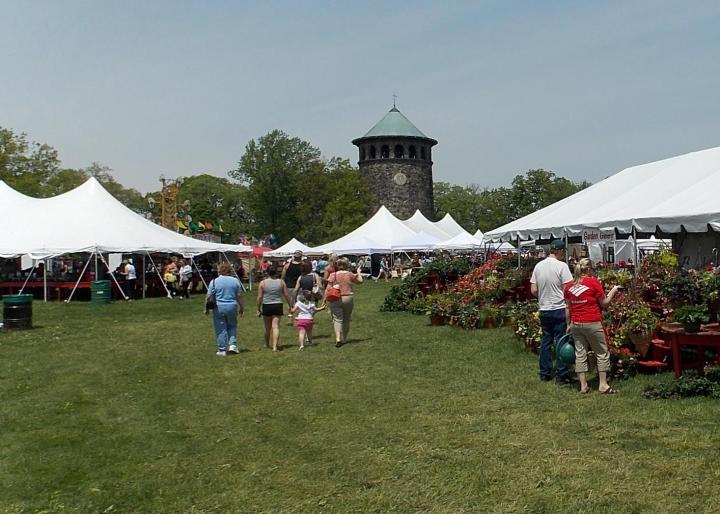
x=396 y=163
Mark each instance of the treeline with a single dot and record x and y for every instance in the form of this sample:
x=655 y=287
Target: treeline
x=283 y=186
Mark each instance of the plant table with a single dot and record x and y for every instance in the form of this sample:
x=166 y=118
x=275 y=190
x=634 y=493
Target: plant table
x=677 y=337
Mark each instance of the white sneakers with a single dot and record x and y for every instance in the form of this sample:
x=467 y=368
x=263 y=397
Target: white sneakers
x=221 y=354
x=233 y=349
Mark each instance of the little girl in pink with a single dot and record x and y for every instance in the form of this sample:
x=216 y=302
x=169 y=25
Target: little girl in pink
x=304 y=310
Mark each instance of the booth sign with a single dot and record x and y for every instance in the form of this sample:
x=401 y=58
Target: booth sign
x=592 y=235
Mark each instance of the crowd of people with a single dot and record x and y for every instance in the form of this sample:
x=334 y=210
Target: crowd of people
x=305 y=287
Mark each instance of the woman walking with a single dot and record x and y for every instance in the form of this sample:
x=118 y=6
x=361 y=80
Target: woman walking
x=271 y=293
x=225 y=292
x=308 y=281
x=584 y=297
x=341 y=309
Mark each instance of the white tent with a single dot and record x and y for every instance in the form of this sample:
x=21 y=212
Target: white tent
x=419 y=223
x=86 y=219
x=290 y=248
x=668 y=195
x=451 y=227
x=419 y=241
x=479 y=235
x=357 y=245
x=379 y=233
x=463 y=241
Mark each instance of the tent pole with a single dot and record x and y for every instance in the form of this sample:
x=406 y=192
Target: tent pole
x=162 y=280
x=635 y=249
x=567 y=259
x=251 y=268
x=28 y=277
x=518 y=251
x=143 y=276
x=192 y=261
x=112 y=275
x=45 y=263
x=97 y=277
x=79 y=279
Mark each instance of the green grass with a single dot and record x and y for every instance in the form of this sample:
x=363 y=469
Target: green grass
x=125 y=408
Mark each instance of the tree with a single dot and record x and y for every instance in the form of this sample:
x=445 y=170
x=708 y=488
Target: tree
x=487 y=209
x=216 y=200
x=279 y=172
x=26 y=166
x=346 y=205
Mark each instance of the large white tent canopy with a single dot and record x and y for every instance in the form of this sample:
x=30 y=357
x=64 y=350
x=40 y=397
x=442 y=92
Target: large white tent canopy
x=290 y=248
x=420 y=242
x=462 y=241
x=671 y=195
x=376 y=235
x=419 y=223
x=87 y=219
x=451 y=227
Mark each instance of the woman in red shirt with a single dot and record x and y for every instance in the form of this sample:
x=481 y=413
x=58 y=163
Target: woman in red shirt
x=584 y=297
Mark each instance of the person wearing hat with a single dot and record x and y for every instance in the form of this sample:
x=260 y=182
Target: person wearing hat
x=547 y=283
x=290 y=274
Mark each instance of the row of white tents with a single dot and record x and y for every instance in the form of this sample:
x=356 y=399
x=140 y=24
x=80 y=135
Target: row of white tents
x=385 y=233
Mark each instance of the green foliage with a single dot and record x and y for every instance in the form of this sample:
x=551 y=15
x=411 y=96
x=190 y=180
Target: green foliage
x=691 y=314
x=217 y=200
x=342 y=201
x=688 y=385
x=26 y=166
x=400 y=296
x=682 y=287
x=640 y=320
x=292 y=192
x=475 y=207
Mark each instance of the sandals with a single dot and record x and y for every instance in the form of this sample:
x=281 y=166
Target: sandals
x=609 y=390
x=585 y=391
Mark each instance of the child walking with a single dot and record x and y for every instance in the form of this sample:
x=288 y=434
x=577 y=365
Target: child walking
x=305 y=309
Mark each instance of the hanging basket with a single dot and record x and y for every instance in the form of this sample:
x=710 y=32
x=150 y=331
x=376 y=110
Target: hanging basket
x=641 y=341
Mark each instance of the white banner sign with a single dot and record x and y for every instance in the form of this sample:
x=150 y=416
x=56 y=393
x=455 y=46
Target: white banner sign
x=593 y=235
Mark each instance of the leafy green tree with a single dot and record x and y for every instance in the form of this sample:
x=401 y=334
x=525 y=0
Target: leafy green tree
x=537 y=189
x=346 y=203
x=216 y=200
x=26 y=166
x=278 y=171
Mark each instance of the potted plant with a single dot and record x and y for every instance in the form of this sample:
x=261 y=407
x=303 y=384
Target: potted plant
x=436 y=306
x=639 y=327
x=691 y=316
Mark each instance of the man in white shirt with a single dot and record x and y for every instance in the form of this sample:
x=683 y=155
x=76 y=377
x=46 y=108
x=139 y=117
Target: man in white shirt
x=130 y=279
x=547 y=284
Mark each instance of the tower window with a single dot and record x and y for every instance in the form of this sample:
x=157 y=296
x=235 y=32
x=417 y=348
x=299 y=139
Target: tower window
x=362 y=153
x=422 y=152
x=412 y=153
x=384 y=152
x=373 y=152
x=399 y=151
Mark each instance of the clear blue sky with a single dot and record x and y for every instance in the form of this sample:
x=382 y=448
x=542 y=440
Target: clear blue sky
x=582 y=88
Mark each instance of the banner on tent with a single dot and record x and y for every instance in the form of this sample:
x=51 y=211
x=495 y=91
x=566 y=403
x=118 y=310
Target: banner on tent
x=592 y=235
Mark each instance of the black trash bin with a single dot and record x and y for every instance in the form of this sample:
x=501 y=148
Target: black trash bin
x=17 y=311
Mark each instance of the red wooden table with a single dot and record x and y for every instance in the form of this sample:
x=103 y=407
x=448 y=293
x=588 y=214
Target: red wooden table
x=675 y=334
x=14 y=286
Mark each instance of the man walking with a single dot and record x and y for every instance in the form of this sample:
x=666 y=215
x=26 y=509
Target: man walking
x=547 y=283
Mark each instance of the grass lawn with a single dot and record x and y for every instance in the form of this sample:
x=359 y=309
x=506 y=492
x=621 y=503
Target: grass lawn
x=126 y=408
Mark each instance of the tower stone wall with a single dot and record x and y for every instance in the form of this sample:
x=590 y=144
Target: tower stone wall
x=397 y=167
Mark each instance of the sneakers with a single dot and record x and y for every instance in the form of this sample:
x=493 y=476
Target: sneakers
x=220 y=354
x=233 y=349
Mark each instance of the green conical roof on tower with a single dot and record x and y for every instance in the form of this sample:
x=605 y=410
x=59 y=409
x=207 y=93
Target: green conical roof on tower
x=394 y=124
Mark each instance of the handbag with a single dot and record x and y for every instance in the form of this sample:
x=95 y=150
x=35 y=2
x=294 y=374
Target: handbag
x=210 y=302
x=332 y=294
